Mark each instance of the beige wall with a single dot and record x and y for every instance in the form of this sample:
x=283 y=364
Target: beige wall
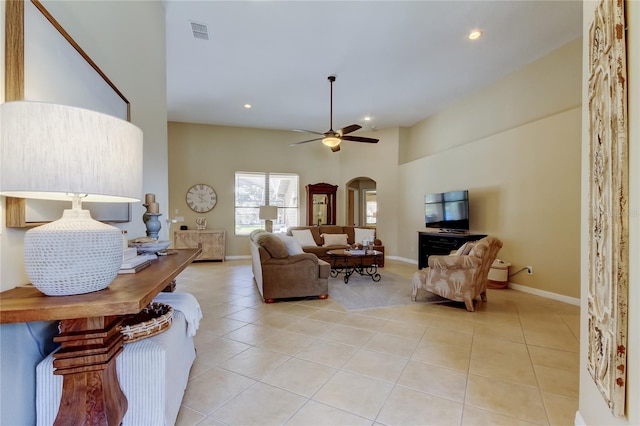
x=431 y=150
x=543 y=88
x=380 y=163
x=212 y=154
x=523 y=173
x=134 y=61
x=592 y=407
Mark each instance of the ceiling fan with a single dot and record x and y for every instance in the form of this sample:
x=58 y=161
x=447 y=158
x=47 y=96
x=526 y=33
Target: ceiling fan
x=332 y=138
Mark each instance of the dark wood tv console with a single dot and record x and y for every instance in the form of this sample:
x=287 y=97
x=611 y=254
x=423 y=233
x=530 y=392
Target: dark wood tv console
x=439 y=243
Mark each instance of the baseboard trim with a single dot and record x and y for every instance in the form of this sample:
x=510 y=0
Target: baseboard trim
x=237 y=257
x=546 y=294
x=518 y=287
x=402 y=259
x=579 y=421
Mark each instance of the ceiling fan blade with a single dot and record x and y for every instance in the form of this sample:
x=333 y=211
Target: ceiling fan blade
x=349 y=129
x=335 y=148
x=301 y=142
x=307 y=131
x=359 y=139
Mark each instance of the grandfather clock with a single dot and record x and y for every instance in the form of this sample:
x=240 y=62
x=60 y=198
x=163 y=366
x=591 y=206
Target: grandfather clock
x=321 y=204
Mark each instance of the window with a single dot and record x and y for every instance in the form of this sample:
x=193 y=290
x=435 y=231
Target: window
x=371 y=203
x=265 y=189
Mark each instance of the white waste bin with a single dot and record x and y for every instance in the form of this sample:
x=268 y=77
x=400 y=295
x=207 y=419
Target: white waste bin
x=498 y=275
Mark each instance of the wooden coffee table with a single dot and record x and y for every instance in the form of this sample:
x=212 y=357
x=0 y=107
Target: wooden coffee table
x=348 y=262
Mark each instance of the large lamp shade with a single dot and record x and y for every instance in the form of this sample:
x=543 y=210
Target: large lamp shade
x=57 y=152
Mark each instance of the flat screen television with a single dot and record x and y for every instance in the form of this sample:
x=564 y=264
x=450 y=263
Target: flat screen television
x=447 y=211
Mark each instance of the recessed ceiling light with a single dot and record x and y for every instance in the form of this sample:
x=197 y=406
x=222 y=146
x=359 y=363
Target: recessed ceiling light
x=367 y=118
x=474 y=35
x=247 y=106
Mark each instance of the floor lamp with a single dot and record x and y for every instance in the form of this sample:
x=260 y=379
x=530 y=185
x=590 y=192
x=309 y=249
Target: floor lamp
x=58 y=152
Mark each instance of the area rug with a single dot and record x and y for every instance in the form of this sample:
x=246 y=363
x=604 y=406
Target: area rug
x=364 y=293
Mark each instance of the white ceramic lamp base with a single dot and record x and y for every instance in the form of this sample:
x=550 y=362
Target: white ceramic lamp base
x=73 y=255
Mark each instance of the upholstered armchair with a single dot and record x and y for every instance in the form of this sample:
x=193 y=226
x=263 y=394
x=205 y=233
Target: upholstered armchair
x=461 y=276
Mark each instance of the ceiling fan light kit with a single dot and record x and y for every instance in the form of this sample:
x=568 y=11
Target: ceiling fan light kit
x=331 y=141
x=332 y=138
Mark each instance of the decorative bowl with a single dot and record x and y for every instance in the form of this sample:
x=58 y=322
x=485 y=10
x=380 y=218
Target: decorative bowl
x=151 y=247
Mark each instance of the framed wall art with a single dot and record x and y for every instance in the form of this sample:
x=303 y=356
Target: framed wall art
x=44 y=63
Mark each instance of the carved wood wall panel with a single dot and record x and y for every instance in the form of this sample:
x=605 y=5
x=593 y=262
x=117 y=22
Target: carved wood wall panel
x=608 y=204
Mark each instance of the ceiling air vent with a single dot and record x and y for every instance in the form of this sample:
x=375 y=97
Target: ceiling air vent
x=200 y=31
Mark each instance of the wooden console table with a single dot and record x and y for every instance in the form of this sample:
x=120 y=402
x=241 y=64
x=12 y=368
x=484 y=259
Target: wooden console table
x=211 y=241
x=89 y=337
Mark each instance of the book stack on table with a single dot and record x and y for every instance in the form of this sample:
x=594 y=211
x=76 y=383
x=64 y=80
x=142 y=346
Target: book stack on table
x=133 y=262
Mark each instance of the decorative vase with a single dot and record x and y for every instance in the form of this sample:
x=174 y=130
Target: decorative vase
x=145 y=216
x=72 y=255
x=153 y=224
x=201 y=223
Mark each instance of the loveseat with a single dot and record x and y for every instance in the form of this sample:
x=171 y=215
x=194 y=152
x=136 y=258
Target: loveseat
x=284 y=271
x=317 y=245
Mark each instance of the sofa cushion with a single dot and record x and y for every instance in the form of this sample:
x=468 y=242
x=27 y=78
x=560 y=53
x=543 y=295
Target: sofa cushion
x=331 y=229
x=334 y=239
x=293 y=246
x=319 y=251
x=364 y=233
x=273 y=245
x=304 y=237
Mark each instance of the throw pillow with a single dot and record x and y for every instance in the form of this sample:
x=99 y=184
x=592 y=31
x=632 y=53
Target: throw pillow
x=364 y=233
x=304 y=237
x=478 y=249
x=273 y=245
x=293 y=246
x=465 y=249
x=335 y=239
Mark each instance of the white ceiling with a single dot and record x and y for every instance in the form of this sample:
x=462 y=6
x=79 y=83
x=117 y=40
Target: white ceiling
x=396 y=61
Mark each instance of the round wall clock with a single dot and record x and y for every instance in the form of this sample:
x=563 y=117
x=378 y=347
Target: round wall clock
x=201 y=198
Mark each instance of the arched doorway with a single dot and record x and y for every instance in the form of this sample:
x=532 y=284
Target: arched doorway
x=362 y=205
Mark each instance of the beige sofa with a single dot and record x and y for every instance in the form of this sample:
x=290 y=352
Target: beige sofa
x=320 y=250
x=280 y=275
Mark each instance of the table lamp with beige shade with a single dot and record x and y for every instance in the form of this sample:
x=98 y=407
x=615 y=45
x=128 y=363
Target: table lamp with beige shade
x=268 y=214
x=59 y=152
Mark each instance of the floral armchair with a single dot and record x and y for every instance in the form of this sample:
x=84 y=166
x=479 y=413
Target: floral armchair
x=461 y=276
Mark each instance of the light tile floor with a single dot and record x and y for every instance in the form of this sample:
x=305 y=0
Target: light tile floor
x=512 y=362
